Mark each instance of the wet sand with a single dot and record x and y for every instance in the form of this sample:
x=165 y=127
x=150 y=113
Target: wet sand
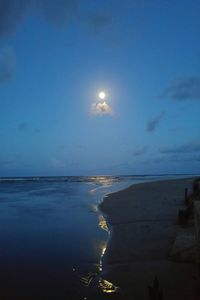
x=143 y=219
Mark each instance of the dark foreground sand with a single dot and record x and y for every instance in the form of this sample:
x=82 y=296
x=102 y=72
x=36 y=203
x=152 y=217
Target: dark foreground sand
x=143 y=219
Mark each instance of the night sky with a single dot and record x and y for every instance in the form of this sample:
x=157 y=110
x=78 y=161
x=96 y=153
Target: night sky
x=55 y=58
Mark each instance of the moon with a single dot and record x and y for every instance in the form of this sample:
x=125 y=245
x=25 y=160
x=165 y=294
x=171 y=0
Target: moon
x=102 y=95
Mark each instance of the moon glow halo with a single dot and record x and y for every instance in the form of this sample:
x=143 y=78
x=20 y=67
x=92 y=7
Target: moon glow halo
x=102 y=95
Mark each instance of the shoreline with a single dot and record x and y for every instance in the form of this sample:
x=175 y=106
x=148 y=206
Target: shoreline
x=102 y=204
x=143 y=225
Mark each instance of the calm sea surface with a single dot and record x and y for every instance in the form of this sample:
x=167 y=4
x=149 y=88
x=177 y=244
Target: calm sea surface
x=52 y=236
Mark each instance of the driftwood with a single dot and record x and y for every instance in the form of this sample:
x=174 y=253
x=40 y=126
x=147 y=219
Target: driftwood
x=155 y=292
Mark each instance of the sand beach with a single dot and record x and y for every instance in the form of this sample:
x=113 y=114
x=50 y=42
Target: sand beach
x=143 y=220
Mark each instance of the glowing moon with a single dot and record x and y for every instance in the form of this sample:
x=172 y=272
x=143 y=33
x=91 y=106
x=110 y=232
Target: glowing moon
x=102 y=95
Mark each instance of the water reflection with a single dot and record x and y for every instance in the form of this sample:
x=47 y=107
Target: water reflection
x=104 y=285
x=94 y=208
x=107 y=287
x=105 y=180
x=103 y=224
x=102 y=182
x=100 y=266
x=86 y=280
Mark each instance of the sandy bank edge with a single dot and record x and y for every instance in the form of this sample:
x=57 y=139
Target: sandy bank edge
x=120 y=262
x=119 y=211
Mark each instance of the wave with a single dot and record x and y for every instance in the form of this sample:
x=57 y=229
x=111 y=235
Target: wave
x=98 y=179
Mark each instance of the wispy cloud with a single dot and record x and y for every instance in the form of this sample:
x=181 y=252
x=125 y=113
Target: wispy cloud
x=57 y=12
x=152 y=124
x=174 y=158
x=185 y=148
x=22 y=126
x=101 y=108
x=140 y=151
x=187 y=88
x=7 y=64
x=5 y=163
x=57 y=163
x=97 y=21
x=12 y=12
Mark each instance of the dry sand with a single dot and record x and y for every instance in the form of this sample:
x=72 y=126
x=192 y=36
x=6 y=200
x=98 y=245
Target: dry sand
x=144 y=225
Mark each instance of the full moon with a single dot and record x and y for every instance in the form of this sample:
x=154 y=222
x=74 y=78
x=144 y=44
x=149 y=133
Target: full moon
x=102 y=95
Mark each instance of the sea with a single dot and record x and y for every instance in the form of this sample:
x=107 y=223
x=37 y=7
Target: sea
x=53 y=237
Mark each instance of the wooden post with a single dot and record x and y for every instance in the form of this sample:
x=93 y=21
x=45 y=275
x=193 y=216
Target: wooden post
x=155 y=293
x=197 y=233
x=186 y=196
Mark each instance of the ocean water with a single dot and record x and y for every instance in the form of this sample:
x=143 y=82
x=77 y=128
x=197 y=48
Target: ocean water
x=53 y=237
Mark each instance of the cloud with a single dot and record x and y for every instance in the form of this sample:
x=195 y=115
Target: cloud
x=97 y=21
x=12 y=12
x=57 y=163
x=174 y=158
x=58 y=12
x=4 y=163
x=22 y=126
x=104 y=26
x=140 y=151
x=187 y=88
x=186 y=148
x=101 y=108
x=7 y=64
x=153 y=123
x=182 y=154
x=80 y=147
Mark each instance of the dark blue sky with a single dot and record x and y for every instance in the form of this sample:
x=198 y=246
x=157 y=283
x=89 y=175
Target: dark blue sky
x=56 y=56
